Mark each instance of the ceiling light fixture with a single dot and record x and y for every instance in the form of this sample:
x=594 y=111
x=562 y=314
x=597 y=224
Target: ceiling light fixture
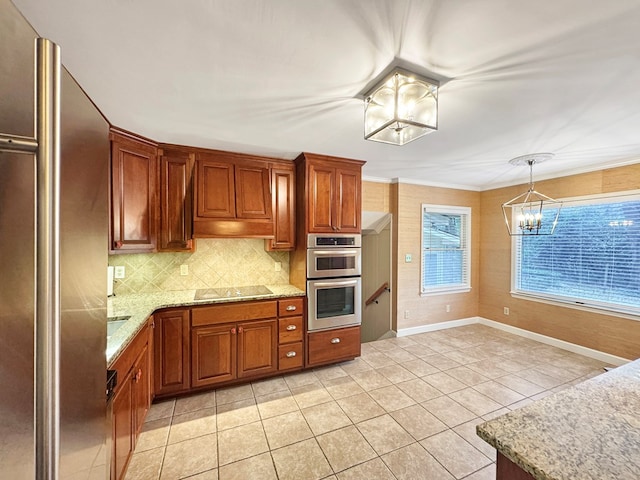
x=400 y=109
x=524 y=213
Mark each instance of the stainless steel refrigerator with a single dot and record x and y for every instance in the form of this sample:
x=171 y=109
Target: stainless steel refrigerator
x=52 y=280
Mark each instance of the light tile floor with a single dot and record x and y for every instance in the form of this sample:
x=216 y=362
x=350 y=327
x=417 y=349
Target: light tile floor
x=406 y=409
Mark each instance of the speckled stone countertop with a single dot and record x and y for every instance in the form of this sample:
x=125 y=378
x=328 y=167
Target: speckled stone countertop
x=140 y=306
x=589 y=431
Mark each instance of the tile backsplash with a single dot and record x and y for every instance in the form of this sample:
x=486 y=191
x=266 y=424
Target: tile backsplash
x=216 y=263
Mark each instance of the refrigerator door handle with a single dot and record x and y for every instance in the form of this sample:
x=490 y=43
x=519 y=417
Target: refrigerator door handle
x=47 y=295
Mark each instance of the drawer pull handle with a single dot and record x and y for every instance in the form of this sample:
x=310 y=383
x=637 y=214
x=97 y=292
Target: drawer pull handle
x=291 y=354
x=291 y=308
x=335 y=340
x=290 y=328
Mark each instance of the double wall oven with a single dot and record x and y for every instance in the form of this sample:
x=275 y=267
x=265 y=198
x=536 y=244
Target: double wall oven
x=334 y=286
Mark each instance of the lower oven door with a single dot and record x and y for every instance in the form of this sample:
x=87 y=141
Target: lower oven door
x=334 y=303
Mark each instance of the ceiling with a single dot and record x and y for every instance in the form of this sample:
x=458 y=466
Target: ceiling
x=278 y=77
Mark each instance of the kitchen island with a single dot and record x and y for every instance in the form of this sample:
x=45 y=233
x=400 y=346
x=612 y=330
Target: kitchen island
x=589 y=431
x=137 y=308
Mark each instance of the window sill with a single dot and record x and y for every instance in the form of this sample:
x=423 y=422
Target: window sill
x=431 y=293
x=576 y=306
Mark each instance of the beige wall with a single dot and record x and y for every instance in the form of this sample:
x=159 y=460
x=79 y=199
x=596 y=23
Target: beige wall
x=614 y=335
x=405 y=201
x=376 y=197
x=430 y=309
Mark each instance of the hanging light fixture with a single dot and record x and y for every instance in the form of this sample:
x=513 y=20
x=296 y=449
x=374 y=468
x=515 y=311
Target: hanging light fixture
x=524 y=213
x=400 y=109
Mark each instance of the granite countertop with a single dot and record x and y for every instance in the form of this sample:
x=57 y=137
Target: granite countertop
x=140 y=306
x=589 y=431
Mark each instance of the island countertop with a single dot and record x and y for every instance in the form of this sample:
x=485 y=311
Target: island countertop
x=138 y=307
x=590 y=431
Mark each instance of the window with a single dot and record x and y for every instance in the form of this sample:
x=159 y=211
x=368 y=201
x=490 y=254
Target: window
x=592 y=260
x=446 y=249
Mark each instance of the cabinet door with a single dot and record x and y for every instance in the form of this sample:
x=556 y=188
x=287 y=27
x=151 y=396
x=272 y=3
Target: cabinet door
x=171 y=351
x=284 y=210
x=213 y=355
x=257 y=348
x=134 y=181
x=320 y=208
x=330 y=346
x=123 y=439
x=253 y=193
x=215 y=189
x=141 y=390
x=176 y=224
x=348 y=204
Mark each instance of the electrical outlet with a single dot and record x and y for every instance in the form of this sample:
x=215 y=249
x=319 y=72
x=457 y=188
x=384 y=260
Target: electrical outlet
x=448 y=308
x=506 y=310
x=184 y=269
x=406 y=314
x=118 y=272
x=407 y=258
x=278 y=266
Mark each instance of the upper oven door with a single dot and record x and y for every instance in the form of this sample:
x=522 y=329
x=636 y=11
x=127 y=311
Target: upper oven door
x=334 y=263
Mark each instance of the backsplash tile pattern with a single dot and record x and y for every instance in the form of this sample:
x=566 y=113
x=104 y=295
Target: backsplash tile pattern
x=216 y=263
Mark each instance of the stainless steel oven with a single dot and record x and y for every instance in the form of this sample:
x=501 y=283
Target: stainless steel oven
x=330 y=256
x=334 y=302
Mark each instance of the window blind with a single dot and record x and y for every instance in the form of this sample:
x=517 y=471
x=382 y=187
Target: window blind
x=593 y=259
x=445 y=248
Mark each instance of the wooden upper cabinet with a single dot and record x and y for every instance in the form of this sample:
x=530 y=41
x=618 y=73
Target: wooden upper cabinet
x=216 y=189
x=176 y=219
x=232 y=196
x=334 y=189
x=349 y=203
x=253 y=192
x=283 y=204
x=134 y=185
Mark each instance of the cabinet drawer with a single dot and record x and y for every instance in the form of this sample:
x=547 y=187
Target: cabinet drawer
x=233 y=312
x=290 y=330
x=333 y=345
x=290 y=307
x=290 y=356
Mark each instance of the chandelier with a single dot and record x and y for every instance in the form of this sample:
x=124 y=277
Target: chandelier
x=524 y=213
x=401 y=108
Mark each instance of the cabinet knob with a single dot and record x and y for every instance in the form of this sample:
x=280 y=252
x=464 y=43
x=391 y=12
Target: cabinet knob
x=291 y=308
x=290 y=328
x=118 y=244
x=291 y=354
x=335 y=340
x=240 y=329
x=233 y=331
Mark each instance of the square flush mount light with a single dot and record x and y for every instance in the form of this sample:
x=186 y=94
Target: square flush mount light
x=400 y=109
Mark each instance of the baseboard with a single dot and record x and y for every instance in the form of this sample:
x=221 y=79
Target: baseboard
x=432 y=327
x=571 y=347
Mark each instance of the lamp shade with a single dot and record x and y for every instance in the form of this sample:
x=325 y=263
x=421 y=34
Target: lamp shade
x=402 y=108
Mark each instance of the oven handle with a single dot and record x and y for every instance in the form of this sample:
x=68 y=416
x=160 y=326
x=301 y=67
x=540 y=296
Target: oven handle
x=333 y=283
x=351 y=252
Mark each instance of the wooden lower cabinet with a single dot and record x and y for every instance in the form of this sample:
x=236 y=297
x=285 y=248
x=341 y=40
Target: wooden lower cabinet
x=171 y=352
x=131 y=401
x=213 y=355
x=257 y=348
x=222 y=353
x=330 y=346
x=122 y=422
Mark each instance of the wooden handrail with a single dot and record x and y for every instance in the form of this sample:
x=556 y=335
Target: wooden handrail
x=377 y=293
